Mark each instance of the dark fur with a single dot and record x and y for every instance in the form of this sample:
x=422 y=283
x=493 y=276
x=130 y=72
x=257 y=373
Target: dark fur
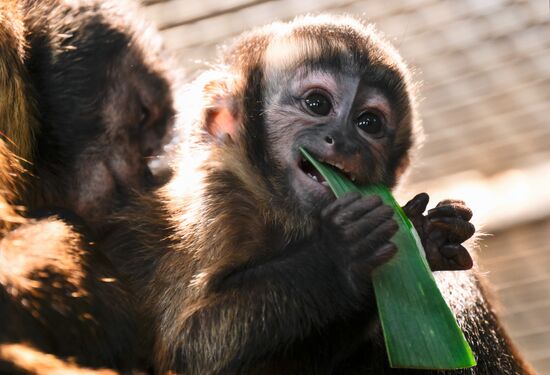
x=86 y=99
x=56 y=295
x=238 y=274
x=61 y=296
x=93 y=74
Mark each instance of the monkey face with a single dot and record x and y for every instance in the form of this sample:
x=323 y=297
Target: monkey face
x=135 y=115
x=342 y=119
x=334 y=87
x=338 y=118
x=331 y=85
x=105 y=105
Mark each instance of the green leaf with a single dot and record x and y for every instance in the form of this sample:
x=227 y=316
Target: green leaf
x=419 y=328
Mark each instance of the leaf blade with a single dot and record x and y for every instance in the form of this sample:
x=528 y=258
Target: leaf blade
x=420 y=331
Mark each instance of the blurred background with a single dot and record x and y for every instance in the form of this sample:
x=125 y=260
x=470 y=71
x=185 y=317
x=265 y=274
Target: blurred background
x=485 y=73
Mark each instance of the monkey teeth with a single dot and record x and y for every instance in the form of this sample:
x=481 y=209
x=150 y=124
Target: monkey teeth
x=319 y=180
x=312 y=173
x=341 y=168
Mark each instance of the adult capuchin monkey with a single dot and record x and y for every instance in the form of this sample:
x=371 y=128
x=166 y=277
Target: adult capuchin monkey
x=85 y=100
x=245 y=262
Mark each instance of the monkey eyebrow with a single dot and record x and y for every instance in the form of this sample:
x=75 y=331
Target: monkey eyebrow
x=309 y=80
x=307 y=73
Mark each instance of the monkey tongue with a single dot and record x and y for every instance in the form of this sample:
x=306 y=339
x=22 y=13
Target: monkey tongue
x=312 y=172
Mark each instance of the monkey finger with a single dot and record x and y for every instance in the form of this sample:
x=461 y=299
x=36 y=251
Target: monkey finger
x=417 y=205
x=376 y=238
x=435 y=259
x=450 y=250
x=358 y=208
x=339 y=204
x=446 y=202
x=436 y=237
x=458 y=229
x=451 y=210
x=369 y=223
x=382 y=255
x=458 y=255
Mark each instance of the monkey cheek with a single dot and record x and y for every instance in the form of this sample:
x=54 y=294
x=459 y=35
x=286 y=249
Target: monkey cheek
x=309 y=193
x=94 y=189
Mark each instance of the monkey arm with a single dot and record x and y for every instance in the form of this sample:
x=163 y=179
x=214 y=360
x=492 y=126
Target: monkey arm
x=262 y=309
x=255 y=307
x=57 y=294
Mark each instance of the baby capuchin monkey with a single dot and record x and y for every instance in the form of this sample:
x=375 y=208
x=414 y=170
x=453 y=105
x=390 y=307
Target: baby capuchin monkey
x=245 y=262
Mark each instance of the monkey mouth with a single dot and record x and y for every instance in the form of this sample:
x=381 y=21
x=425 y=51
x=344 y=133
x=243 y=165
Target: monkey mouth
x=309 y=170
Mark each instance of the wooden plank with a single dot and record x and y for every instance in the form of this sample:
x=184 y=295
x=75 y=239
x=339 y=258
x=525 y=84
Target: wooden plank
x=481 y=80
x=502 y=45
x=221 y=27
x=537 y=51
x=541 y=85
x=542 y=365
x=528 y=322
x=488 y=156
x=515 y=270
x=177 y=12
x=509 y=254
x=535 y=341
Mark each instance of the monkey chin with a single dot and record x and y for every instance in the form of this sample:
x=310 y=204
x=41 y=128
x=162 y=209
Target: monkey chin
x=309 y=186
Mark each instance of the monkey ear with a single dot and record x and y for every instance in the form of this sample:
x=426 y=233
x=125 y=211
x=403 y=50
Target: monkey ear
x=222 y=124
x=218 y=92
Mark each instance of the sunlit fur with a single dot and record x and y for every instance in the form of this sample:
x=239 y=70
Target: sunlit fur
x=85 y=100
x=23 y=359
x=235 y=86
x=224 y=259
x=76 y=79
x=18 y=123
x=55 y=295
x=10 y=183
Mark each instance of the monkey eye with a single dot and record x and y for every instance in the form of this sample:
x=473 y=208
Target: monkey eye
x=144 y=115
x=318 y=104
x=370 y=123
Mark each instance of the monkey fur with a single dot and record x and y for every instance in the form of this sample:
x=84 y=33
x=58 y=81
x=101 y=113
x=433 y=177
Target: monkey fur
x=86 y=101
x=18 y=121
x=56 y=295
x=245 y=263
x=101 y=91
x=236 y=269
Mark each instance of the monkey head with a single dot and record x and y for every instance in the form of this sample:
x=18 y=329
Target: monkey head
x=330 y=85
x=103 y=93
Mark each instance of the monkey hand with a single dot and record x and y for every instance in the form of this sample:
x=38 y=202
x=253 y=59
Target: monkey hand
x=442 y=231
x=357 y=232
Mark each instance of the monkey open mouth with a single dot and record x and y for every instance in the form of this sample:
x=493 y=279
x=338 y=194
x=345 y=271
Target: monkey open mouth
x=309 y=170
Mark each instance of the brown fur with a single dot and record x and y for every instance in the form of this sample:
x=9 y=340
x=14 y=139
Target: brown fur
x=10 y=172
x=227 y=261
x=23 y=359
x=86 y=100
x=18 y=122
